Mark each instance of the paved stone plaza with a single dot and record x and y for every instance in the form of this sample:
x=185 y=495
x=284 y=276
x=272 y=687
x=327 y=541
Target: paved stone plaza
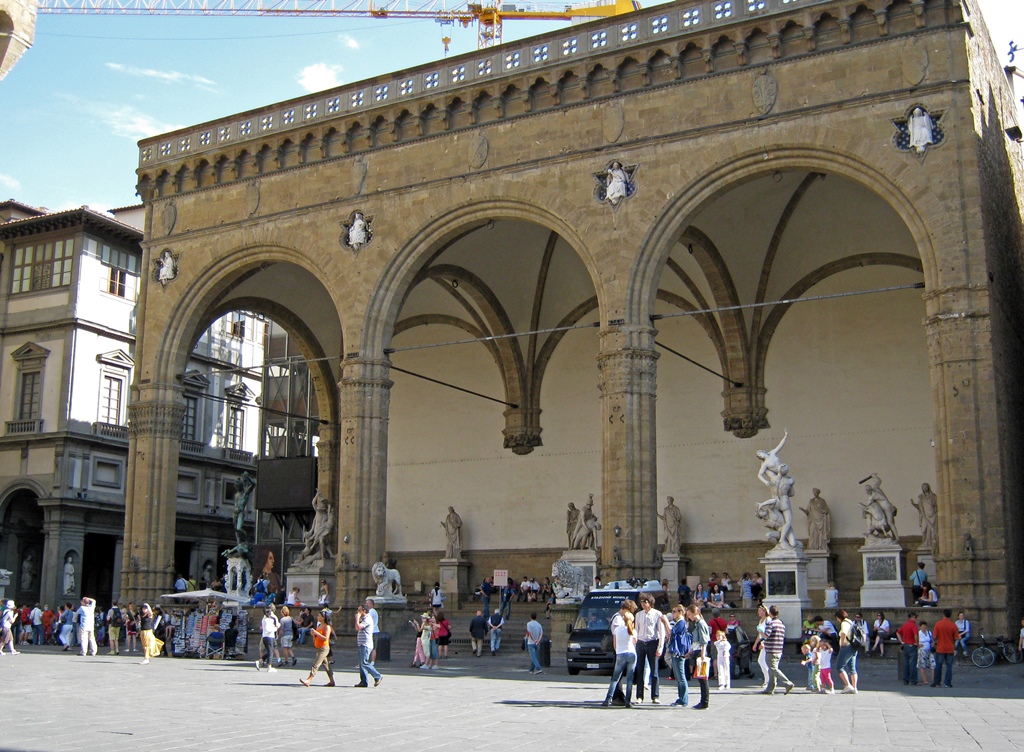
x=52 y=700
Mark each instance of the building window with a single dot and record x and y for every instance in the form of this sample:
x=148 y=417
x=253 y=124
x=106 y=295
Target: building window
x=107 y=473
x=189 y=424
x=236 y=427
x=110 y=400
x=29 y=395
x=236 y=324
x=42 y=266
x=122 y=277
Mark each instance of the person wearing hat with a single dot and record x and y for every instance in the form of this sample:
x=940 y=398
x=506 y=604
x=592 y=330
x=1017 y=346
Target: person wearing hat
x=7 y=627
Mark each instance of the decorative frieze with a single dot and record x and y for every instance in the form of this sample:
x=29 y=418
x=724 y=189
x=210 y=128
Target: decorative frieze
x=163 y=419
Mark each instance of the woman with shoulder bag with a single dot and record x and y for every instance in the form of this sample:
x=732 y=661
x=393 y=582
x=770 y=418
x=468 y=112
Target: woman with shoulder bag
x=322 y=642
x=444 y=634
x=624 y=636
x=758 y=647
x=701 y=636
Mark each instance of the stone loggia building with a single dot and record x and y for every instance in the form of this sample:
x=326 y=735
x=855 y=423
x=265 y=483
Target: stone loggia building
x=614 y=194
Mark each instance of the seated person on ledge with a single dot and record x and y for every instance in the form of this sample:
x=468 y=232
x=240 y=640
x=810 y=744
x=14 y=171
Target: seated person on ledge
x=929 y=596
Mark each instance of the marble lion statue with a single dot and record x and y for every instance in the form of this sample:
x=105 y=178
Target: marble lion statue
x=389 y=581
x=570 y=580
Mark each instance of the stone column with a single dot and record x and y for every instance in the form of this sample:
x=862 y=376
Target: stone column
x=147 y=566
x=365 y=394
x=628 y=384
x=969 y=570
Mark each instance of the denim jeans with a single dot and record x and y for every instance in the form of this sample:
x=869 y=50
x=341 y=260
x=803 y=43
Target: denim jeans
x=485 y=601
x=646 y=656
x=365 y=667
x=495 y=640
x=534 y=657
x=943 y=659
x=679 y=671
x=962 y=645
x=910 y=664
x=506 y=608
x=625 y=665
x=303 y=634
x=37 y=634
x=847 y=660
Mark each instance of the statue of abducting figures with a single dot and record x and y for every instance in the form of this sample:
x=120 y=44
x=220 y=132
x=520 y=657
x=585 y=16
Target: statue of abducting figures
x=879 y=511
x=777 y=512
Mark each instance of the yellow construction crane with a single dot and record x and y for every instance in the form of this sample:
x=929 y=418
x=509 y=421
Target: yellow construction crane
x=489 y=15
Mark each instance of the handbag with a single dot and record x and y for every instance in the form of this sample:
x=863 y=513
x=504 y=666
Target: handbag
x=701 y=667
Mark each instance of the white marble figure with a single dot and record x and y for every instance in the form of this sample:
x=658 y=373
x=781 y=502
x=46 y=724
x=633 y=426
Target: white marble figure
x=28 y=572
x=69 y=575
x=572 y=517
x=673 y=526
x=317 y=538
x=819 y=522
x=389 y=581
x=585 y=535
x=926 y=505
x=570 y=581
x=167 y=267
x=880 y=512
x=618 y=181
x=358 y=232
x=775 y=474
x=921 y=129
x=453 y=531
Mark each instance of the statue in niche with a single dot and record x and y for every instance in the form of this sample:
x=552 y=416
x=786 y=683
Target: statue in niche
x=775 y=474
x=165 y=268
x=673 y=526
x=926 y=505
x=317 y=538
x=879 y=511
x=28 y=572
x=615 y=183
x=69 y=575
x=921 y=129
x=819 y=522
x=572 y=517
x=453 y=530
x=587 y=526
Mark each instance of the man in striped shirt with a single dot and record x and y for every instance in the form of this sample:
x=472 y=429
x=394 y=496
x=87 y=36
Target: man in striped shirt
x=774 y=643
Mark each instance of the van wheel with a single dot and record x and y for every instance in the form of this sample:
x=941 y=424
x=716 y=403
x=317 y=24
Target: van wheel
x=574 y=671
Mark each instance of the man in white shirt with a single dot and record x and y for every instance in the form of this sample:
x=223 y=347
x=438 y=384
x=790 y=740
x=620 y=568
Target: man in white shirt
x=269 y=627
x=36 y=617
x=86 y=616
x=651 y=631
x=364 y=642
x=375 y=618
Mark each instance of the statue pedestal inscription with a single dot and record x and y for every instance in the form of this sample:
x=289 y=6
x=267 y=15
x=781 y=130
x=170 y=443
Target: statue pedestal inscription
x=883 y=576
x=785 y=574
x=238 y=580
x=673 y=569
x=819 y=569
x=585 y=559
x=454 y=579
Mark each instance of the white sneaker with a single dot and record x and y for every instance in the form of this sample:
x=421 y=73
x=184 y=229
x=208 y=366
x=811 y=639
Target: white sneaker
x=850 y=690
x=144 y=662
x=271 y=670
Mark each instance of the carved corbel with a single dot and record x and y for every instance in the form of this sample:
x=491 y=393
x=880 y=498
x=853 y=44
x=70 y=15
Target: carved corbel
x=810 y=34
x=744 y=414
x=918 y=7
x=882 y=19
x=845 y=30
x=741 y=52
x=708 y=53
x=775 y=40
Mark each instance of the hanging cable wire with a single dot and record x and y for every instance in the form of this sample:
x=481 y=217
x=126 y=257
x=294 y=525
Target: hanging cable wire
x=452 y=386
x=492 y=338
x=699 y=365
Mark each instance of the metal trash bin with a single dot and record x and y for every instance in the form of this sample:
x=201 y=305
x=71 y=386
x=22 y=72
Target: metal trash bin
x=383 y=645
x=544 y=652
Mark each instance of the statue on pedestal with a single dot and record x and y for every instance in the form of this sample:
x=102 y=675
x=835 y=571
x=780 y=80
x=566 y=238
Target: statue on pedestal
x=777 y=512
x=69 y=576
x=453 y=530
x=673 y=525
x=244 y=487
x=572 y=518
x=819 y=522
x=587 y=526
x=317 y=538
x=880 y=512
x=926 y=505
x=389 y=581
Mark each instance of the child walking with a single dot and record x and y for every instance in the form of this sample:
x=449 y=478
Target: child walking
x=810 y=660
x=723 y=649
x=824 y=652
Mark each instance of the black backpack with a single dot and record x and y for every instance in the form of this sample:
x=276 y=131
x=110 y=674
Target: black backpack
x=117 y=620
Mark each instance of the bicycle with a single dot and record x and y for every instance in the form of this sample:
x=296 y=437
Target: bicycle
x=983 y=656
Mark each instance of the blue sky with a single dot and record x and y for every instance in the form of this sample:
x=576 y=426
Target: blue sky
x=73 y=108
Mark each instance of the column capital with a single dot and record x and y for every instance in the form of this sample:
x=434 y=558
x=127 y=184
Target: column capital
x=156 y=419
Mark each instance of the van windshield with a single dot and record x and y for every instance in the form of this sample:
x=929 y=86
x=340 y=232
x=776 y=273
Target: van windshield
x=598 y=610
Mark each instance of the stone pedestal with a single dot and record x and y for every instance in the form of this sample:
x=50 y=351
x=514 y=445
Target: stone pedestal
x=673 y=569
x=883 y=576
x=238 y=580
x=927 y=557
x=5 y=580
x=454 y=579
x=307 y=578
x=586 y=560
x=785 y=575
x=819 y=569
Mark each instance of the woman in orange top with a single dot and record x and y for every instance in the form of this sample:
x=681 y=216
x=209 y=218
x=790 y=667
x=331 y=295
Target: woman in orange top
x=322 y=642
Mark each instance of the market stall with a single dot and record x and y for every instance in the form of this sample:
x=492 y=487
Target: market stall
x=206 y=623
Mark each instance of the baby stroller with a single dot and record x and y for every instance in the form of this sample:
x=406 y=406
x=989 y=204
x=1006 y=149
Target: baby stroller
x=741 y=653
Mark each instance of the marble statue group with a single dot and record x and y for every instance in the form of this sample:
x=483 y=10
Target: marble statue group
x=582 y=526
x=777 y=512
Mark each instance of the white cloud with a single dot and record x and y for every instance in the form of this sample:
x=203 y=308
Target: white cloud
x=124 y=120
x=171 y=77
x=351 y=42
x=320 y=76
x=9 y=182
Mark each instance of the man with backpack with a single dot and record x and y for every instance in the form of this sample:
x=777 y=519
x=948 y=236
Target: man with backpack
x=115 y=620
x=852 y=638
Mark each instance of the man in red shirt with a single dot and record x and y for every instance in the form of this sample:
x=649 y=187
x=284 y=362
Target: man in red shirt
x=945 y=635
x=907 y=636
